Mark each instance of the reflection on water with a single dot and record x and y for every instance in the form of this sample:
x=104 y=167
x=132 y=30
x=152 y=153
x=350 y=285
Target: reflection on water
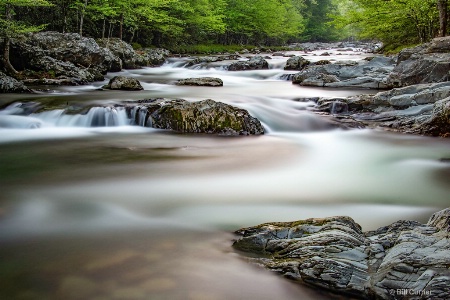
x=128 y=212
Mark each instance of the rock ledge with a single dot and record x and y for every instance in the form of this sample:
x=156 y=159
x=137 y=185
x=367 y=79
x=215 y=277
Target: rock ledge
x=333 y=253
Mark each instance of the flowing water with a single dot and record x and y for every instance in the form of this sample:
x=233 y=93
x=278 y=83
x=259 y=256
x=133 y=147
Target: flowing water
x=95 y=207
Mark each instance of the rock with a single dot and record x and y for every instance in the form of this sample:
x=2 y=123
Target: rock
x=365 y=74
x=202 y=81
x=254 y=63
x=11 y=85
x=64 y=70
x=156 y=57
x=124 y=83
x=322 y=62
x=63 y=56
x=439 y=122
x=203 y=60
x=130 y=59
x=333 y=253
x=418 y=109
x=296 y=63
x=427 y=63
x=71 y=47
x=206 y=116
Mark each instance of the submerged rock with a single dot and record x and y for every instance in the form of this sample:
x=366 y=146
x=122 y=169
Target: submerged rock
x=206 y=116
x=124 y=83
x=202 y=81
x=11 y=85
x=334 y=253
x=254 y=63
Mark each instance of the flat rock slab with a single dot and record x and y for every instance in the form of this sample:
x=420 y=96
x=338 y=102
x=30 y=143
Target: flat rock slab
x=333 y=253
x=201 y=81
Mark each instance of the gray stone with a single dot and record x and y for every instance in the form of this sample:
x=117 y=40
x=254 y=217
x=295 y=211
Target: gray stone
x=206 y=116
x=296 y=63
x=129 y=58
x=365 y=74
x=124 y=83
x=201 y=81
x=336 y=255
x=11 y=85
x=254 y=63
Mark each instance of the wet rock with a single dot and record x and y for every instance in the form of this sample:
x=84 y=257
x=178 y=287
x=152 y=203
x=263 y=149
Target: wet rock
x=254 y=63
x=202 y=81
x=296 y=63
x=334 y=253
x=11 y=85
x=206 y=116
x=124 y=83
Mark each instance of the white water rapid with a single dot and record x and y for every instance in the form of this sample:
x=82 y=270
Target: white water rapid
x=94 y=205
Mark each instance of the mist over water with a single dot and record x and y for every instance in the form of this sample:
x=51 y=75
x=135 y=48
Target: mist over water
x=93 y=205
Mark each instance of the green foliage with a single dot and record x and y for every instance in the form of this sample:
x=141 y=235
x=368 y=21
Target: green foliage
x=10 y=25
x=395 y=22
x=178 y=23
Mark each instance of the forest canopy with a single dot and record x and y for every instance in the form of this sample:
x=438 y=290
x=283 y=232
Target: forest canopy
x=171 y=23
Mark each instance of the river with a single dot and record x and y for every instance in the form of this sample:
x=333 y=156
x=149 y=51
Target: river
x=128 y=212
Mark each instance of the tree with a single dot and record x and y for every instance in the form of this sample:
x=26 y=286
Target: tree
x=10 y=27
x=443 y=16
x=396 y=22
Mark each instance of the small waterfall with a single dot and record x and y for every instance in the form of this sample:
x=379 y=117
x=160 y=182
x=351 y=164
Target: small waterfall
x=95 y=117
x=286 y=77
x=12 y=121
x=338 y=107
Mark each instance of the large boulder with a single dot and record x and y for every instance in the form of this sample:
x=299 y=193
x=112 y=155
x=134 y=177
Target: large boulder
x=130 y=59
x=365 y=74
x=201 y=81
x=69 y=47
x=11 y=85
x=156 y=57
x=426 y=63
x=254 y=63
x=296 y=63
x=124 y=83
x=439 y=122
x=206 y=116
x=417 y=109
x=333 y=253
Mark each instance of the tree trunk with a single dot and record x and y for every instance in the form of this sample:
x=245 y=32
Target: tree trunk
x=104 y=28
x=9 y=69
x=82 y=17
x=121 y=27
x=443 y=14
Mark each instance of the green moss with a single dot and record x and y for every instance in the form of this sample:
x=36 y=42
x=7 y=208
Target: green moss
x=395 y=48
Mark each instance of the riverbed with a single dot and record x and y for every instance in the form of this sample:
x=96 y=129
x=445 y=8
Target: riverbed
x=129 y=212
